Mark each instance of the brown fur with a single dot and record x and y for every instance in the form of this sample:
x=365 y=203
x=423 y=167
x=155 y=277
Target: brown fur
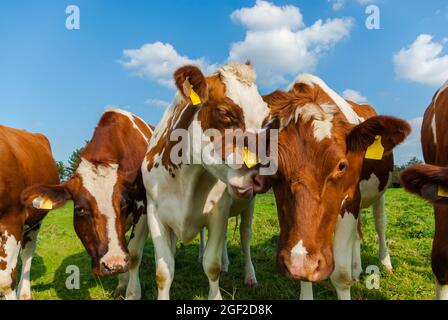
x=25 y=159
x=311 y=185
x=425 y=180
x=115 y=141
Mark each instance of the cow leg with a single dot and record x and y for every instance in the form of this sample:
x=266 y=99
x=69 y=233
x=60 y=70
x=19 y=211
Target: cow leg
x=250 y=279
x=123 y=280
x=135 y=246
x=225 y=255
x=344 y=239
x=10 y=248
x=380 y=226
x=212 y=262
x=306 y=291
x=164 y=256
x=202 y=243
x=439 y=253
x=356 y=260
x=27 y=253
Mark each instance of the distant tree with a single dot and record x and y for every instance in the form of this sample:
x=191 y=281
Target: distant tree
x=73 y=161
x=413 y=161
x=62 y=170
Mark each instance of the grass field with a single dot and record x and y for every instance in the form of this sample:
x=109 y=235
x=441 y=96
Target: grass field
x=409 y=234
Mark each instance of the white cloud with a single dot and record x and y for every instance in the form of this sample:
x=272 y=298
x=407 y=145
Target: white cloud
x=283 y=46
x=157 y=61
x=354 y=96
x=412 y=145
x=422 y=62
x=277 y=42
x=157 y=103
x=267 y=16
x=338 y=5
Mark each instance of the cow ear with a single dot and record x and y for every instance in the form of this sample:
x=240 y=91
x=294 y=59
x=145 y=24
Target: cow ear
x=378 y=135
x=427 y=181
x=44 y=197
x=192 y=84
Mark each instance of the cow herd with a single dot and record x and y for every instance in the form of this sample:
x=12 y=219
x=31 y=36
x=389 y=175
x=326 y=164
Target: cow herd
x=324 y=157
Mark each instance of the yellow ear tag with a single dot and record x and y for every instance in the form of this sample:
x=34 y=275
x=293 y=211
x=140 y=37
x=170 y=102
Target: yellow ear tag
x=250 y=158
x=442 y=192
x=195 y=99
x=43 y=204
x=376 y=150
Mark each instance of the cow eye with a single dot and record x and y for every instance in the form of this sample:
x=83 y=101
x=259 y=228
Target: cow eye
x=343 y=165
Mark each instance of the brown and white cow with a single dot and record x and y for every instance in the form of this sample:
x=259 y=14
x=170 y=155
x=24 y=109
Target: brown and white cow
x=25 y=159
x=203 y=190
x=430 y=181
x=109 y=197
x=323 y=181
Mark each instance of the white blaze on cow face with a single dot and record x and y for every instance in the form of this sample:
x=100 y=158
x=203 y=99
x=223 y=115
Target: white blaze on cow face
x=241 y=88
x=299 y=250
x=100 y=182
x=10 y=248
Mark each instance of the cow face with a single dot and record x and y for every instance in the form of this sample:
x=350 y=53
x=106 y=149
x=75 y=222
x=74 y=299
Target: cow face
x=101 y=202
x=213 y=109
x=320 y=161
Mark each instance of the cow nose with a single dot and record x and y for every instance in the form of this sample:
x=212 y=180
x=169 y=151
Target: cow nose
x=115 y=264
x=312 y=268
x=261 y=183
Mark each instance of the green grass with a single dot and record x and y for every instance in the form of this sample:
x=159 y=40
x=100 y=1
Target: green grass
x=409 y=234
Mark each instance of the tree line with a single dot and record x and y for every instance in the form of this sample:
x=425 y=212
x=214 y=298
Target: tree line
x=67 y=170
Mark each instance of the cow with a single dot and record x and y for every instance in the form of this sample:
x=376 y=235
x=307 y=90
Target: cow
x=25 y=159
x=324 y=180
x=430 y=181
x=184 y=197
x=109 y=197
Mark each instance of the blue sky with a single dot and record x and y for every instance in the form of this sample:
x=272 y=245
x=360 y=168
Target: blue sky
x=58 y=81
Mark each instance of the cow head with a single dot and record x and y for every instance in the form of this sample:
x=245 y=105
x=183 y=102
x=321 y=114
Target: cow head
x=220 y=114
x=100 y=194
x=319 y=167
x=105 y=189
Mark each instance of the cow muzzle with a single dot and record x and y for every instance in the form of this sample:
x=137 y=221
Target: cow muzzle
x=258 y=184
x=305 y=267
x=114 y=264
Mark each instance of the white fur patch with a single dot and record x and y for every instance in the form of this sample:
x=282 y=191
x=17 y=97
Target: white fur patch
x=100 y=182
x=11 y=248
x=322 y=117
x=443 y=88
x=441 y=291
x=299 y=250
x=131 y=118
x=434 y=128
x=241 y=88
x=343 y=105
x=370 y=190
